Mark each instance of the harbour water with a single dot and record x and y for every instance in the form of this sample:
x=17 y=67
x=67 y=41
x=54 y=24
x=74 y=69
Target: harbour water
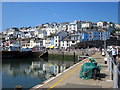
x=30 y=72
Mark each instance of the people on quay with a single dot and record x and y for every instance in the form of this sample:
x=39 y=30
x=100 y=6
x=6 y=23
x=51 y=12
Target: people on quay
x=103 y=52
x=109 y=50
x=100 y=49
x=114 y=53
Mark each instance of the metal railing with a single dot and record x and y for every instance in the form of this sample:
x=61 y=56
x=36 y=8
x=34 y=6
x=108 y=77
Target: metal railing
x=114 y=71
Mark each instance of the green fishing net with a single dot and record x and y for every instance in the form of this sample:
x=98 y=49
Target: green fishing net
x=86 y=69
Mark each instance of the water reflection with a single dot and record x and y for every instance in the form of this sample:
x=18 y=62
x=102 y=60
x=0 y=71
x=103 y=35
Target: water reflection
x=33 y=68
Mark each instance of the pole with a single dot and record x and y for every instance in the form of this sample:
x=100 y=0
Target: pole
x=117 y=40
x=63 y=56
x=105 y=41
x=110 y=60
x=74 y=57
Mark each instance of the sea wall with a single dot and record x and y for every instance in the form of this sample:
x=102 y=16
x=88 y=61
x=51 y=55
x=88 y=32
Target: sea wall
x=77 y=52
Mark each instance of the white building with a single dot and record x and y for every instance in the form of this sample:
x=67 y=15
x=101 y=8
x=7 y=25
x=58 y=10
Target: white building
x=54 y=40
x=74 y=26
x=32 y=42
x=86 y=25
x=38 y=42
x=70 y=40
x=101 y=23
x=27 y=29
x=48 y=42
x=66 y=43
x=13 y=33
x=27 y=43
x=58 y=37
x=63 y=26
x=117 y=26
x=40 y=33
x=51 y=30
x=28 y=32
x=27 y=35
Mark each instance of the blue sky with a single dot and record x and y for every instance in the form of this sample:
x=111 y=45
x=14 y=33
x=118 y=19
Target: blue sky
x=23 y=14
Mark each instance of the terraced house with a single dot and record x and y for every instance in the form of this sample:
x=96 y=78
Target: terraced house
x=61 y=35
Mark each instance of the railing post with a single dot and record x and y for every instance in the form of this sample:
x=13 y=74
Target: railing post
x=108 y=62
x=115 y=77
x=110 y=68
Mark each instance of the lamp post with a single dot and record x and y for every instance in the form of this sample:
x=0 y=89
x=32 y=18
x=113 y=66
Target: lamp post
x=105 y=41
x=117 y=40
x=105 y=50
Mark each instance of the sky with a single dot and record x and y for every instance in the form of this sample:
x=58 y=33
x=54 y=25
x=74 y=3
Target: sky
x=23 y=14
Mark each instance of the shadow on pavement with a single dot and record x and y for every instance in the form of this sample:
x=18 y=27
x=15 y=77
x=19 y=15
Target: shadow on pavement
x=70 y=85
x=102 y=75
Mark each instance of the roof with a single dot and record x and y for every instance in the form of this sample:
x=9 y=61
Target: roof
x=60 y=32
x=74 y=35
x=14 y=42
x=52 y=35
x=67 y=38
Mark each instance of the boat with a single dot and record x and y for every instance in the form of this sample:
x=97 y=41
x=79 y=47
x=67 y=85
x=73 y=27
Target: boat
x=17 y=52
x=23 y=54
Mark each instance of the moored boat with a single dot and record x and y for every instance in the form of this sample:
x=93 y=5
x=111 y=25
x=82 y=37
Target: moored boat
x=23 y=54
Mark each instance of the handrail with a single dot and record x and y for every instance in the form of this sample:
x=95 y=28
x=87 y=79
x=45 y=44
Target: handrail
x=114 y=71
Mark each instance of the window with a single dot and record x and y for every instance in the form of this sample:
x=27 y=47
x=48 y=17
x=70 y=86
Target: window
x=73 y=41
x=74 y=28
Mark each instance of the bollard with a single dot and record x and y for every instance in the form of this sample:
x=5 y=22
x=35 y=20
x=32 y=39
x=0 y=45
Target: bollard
x=115 y=77
x=105 y=59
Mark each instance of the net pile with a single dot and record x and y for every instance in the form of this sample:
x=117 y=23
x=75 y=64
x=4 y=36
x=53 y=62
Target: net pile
x=87 y=69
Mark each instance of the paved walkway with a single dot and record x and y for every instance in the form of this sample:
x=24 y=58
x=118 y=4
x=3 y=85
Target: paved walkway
x=70 y=78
